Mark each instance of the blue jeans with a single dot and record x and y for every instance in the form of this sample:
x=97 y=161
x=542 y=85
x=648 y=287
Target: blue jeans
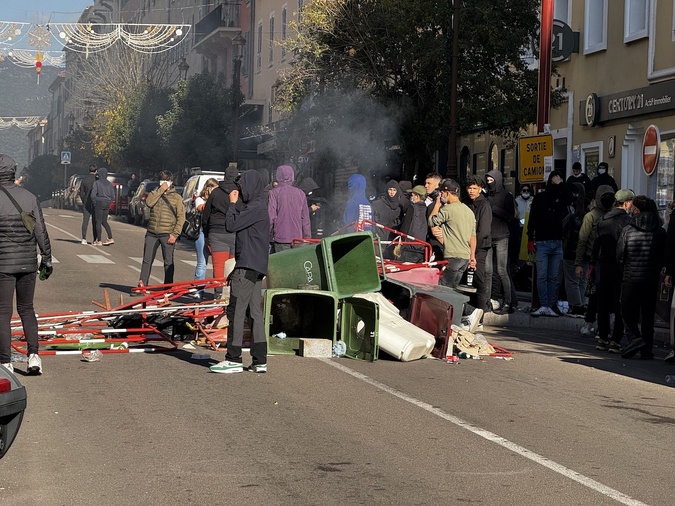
x=549 y=256
x=202 y=256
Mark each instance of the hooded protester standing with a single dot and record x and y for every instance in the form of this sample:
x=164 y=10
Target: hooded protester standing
x=218 y=240
x=415 y=225
x=545 y=239
x=603 y=178
x=358 y=206
x=641 y=254
x=288 y=211
x=575 y=286
x=604 y=200
x=251 y=225
x=579 y=177
x=607 y=270
x=388 y=209
x=315 y=205
x=167 y=215
x=503 y=214
x=102 y=194
x=19 y=265
x=88 y=209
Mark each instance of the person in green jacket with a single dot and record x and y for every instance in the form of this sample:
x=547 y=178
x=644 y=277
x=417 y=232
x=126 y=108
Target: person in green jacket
x=167 y=215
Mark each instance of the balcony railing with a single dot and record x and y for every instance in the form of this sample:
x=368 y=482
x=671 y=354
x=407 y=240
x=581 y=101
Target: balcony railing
x=223 y=16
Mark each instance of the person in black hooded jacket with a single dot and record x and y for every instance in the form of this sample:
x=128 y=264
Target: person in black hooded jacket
x=503 y=213
x=251 y=225
x=641 y=255
x=19 y=265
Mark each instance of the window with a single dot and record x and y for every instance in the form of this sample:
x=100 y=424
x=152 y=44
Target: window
x=664 y=177
x=258 y=56
x=590 y=158
x=561 y=10
x=283 y=32
x=595 y=26
x=271 y=55
x=635 y=20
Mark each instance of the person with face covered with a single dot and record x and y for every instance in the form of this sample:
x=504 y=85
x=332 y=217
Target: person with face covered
x=579 y=177
x=545 y=239
x=358 y=206
x=288 y=211
x=603 y=178
x=388 y=211
x=251 y=226
x=503 y=214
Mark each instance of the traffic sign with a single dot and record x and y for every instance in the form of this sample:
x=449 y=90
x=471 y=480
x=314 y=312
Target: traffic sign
x=65 y=157
x=651 y=147
x=532 y=154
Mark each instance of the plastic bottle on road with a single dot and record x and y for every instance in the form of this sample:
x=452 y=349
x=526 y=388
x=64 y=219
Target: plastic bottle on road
x=339 y=348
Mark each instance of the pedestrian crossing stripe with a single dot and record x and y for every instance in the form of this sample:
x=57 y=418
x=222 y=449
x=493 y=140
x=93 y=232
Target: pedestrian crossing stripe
x=95 y=259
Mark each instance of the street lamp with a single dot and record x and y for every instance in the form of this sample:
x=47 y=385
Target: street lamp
x=183 y=68
x=238 y=43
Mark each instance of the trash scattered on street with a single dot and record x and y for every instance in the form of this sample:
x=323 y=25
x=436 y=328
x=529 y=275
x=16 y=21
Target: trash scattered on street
x=92 y=355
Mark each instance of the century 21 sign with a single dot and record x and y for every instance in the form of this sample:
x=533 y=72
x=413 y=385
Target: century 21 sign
x=532 y=156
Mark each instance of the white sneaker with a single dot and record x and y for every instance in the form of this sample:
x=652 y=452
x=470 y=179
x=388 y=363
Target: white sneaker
x=544 y=311
x=9 y=367
x=34 y=364
x=587 y=330
x=227 y=367
x=471 y=322
x=84 y=241
x=495 y=304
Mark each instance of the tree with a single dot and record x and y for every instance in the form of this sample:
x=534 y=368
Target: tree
x=43 y=176
x=398 y=51
x=197 y=129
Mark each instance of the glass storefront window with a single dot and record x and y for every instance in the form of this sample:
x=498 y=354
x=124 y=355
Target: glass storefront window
x=665 y=187
x=591 y=161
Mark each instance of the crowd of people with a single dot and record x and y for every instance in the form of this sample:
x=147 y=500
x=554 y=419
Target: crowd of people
x=602 y=248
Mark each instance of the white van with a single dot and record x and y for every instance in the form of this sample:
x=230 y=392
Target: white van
x=194 y=185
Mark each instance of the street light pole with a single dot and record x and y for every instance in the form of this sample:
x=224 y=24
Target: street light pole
x=452 y=170
x=237 y=43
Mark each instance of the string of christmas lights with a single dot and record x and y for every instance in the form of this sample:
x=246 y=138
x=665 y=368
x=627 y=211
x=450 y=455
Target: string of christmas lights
x=22 y=122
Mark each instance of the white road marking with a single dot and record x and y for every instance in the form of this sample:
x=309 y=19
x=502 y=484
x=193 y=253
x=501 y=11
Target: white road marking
x=155 y=263
x=494 y=438
x=96 y=259
x=193 y=263
x=77 y=238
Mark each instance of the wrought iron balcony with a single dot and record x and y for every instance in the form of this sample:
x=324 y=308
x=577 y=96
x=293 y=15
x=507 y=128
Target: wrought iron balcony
x=220 y=19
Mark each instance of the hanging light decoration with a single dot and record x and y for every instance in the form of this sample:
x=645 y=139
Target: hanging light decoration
x=22 y=122
x=10 y=32
x=27 y=58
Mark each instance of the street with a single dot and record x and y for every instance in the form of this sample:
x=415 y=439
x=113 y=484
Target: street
x=560 y=424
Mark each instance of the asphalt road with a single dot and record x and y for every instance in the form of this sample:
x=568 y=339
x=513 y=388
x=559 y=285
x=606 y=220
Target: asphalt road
x=559 y=424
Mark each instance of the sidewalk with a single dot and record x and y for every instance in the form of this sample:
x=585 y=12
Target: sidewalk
x=522 y=318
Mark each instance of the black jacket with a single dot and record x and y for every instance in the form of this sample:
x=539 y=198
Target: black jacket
x=503 y=206
x=548 y=211
x=670 y=247
x=251 y=224
x=18 y=252
x=609 y=228
x=215 y=210
x=85 y=190
x=481 y=209
x=601 y=179
x=641 y=249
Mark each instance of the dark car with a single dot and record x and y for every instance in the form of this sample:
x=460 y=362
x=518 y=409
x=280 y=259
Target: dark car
x=12 y=406
x=139 y=212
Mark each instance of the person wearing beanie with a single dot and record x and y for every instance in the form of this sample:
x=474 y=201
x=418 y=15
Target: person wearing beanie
x=19 y=263
x=217 y=239
x=288 y=211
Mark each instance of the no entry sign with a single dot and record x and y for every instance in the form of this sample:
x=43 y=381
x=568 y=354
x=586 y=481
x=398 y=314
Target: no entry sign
x=650 y=149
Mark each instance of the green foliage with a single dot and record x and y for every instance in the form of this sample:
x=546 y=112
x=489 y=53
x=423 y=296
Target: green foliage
x=399 y=52
x=43 y=176
x=197 y=129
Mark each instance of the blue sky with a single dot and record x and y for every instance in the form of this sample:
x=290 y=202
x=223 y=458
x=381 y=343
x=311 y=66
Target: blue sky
x=40 y=11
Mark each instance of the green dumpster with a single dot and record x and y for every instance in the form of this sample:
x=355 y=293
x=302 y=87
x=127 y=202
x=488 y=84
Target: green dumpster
x=294 y=314
x=359 y=328
x=345 y=264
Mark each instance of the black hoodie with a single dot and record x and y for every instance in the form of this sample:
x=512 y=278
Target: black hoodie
x=503 y=206
x=251 y=224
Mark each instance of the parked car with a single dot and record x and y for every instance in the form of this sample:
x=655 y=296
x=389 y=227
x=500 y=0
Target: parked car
x=12 y=406
x=120 y=205
x=194 y=185
x=72 y=198
x=138 y=212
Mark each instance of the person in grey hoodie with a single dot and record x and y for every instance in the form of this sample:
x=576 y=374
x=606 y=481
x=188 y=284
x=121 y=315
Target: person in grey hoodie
x=19 y=265
x=102 y=195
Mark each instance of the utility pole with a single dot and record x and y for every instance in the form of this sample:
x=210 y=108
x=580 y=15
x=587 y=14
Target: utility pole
x=452 y=170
